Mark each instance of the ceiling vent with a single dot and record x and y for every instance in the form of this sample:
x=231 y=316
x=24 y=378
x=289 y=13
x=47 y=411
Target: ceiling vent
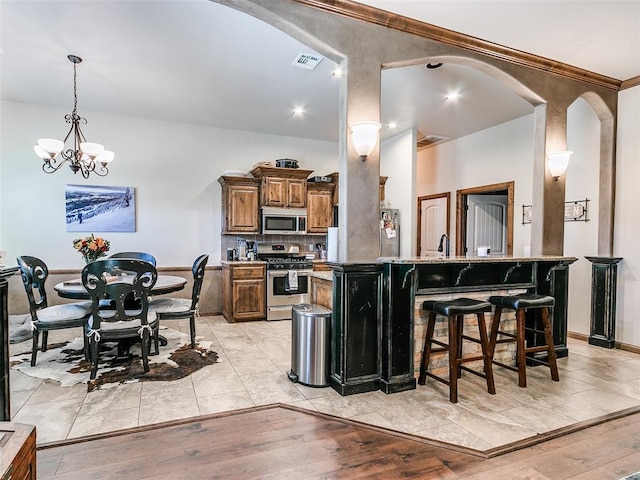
x=308 y=61
x=429 y=140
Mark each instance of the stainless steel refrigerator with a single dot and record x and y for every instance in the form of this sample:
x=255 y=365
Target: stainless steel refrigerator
x=389 y=232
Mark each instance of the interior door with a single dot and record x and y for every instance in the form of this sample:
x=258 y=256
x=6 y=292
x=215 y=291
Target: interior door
x=433 y=223
x=487 y=223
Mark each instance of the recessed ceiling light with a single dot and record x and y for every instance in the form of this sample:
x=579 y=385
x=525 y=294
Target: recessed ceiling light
x=298 y=111
x=452 y=96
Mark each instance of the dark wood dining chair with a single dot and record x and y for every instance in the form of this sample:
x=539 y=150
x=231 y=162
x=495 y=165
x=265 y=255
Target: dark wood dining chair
x=104 y=279
x=147 y=257
x=172 y=308
x=44 y=317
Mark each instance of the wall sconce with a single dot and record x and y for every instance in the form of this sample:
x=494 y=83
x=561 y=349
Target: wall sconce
x=558 y=163
x=364 y=136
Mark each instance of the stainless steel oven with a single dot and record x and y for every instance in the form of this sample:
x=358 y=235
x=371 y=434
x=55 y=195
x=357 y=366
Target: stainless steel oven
x=281 y=297
x=288 y=279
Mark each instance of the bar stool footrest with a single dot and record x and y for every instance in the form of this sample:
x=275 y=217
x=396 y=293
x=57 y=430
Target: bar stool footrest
x=436 y=377
x=475 y=372
x=504 y=365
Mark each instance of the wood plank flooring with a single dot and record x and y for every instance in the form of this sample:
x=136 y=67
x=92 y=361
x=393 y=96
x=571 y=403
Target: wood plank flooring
x=279 y=442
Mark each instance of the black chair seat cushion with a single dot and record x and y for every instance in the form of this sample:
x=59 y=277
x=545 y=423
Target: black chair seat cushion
x=458 y=306
x=522 y=301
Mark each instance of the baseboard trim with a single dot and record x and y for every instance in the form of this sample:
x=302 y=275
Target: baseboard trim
x=619 y=345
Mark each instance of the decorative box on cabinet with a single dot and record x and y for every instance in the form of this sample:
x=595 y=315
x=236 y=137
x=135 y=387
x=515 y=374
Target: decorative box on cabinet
x=240 y=204
x=282 y=187
x=244 y=291
x=319 y=207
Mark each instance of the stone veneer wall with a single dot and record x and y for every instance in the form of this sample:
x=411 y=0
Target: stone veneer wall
x=439 y=363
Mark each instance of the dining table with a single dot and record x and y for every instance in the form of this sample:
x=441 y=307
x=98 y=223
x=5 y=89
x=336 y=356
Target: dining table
x=74 y=289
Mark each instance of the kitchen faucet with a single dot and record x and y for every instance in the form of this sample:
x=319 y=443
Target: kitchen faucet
x=442 y=240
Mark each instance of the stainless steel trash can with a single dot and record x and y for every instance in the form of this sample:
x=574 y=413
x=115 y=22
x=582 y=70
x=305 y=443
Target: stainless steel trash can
x=310 y=350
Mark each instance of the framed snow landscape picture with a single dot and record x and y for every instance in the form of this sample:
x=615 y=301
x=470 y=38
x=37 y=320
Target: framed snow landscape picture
x=100 y=209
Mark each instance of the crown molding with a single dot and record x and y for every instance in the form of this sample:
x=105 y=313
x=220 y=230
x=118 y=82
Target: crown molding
x=632 y=82
x=400 y=23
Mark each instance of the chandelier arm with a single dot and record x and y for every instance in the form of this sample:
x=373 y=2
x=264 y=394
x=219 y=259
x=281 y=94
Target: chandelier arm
x=103 y=171
x=51 y=166
x=68 y=119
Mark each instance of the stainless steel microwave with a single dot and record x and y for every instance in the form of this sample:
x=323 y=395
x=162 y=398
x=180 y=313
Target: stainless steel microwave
x=284 y=221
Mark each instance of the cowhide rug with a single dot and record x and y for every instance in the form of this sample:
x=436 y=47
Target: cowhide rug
x=65 y=362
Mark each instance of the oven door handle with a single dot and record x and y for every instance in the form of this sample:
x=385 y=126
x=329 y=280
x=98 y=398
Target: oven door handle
x=284 y=273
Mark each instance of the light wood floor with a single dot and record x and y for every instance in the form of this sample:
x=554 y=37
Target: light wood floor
x=279 y=442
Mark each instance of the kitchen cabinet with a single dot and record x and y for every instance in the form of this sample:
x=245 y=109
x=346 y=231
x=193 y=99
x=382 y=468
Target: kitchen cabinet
x=240 y=204
x=319 y=207
x=283 y=192
x=322 y=290
x=334 y=179
x=282 y=187
x=244 y=291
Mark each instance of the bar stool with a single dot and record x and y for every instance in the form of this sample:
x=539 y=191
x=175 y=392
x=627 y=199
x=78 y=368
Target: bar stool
x=455 y=310
x=521 y=303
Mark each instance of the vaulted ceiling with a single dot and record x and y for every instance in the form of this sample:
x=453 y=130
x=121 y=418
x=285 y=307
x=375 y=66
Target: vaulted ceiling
x=199 y=62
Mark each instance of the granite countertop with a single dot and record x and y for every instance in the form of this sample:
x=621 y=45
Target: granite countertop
x=475 y=259
x=243 y=262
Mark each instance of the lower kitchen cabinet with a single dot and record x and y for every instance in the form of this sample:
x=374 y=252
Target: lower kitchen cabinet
x=243 y=291
x=322 y=290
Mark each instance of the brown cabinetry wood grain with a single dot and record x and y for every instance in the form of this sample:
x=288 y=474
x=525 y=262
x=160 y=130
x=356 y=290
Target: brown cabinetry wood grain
x=240 y=204
x=322 y=292
x=283 y=192
x=319 y=207
x=243 y=292
x=282 y=187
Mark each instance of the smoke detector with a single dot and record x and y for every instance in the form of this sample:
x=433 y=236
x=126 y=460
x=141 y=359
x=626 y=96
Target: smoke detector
x=308 y=61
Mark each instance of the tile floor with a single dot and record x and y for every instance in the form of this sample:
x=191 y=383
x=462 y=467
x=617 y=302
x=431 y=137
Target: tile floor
x=255 y=356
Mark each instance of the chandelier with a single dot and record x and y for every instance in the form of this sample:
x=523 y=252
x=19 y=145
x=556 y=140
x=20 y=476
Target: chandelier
x=83 y=156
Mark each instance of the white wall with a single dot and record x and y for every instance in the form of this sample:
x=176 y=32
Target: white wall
x=500 y=154
x=627 y=218
x=398 y=162
x=174 y=168
x=582 y=181
x=505 y=153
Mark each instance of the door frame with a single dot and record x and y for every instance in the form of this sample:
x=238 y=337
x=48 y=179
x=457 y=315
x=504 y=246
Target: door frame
x=434 y=196
x=462 y=206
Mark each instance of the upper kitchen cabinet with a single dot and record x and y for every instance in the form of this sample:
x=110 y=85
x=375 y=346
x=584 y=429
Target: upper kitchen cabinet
x=282 y=187
x=240 y=198
x=319 y=207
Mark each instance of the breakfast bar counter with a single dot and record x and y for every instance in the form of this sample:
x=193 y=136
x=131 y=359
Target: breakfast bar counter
x=374 y=309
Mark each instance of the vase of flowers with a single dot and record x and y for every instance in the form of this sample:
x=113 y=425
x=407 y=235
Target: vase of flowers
x=91 y=248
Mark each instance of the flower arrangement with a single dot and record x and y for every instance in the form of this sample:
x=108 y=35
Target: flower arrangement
x=91 y=248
